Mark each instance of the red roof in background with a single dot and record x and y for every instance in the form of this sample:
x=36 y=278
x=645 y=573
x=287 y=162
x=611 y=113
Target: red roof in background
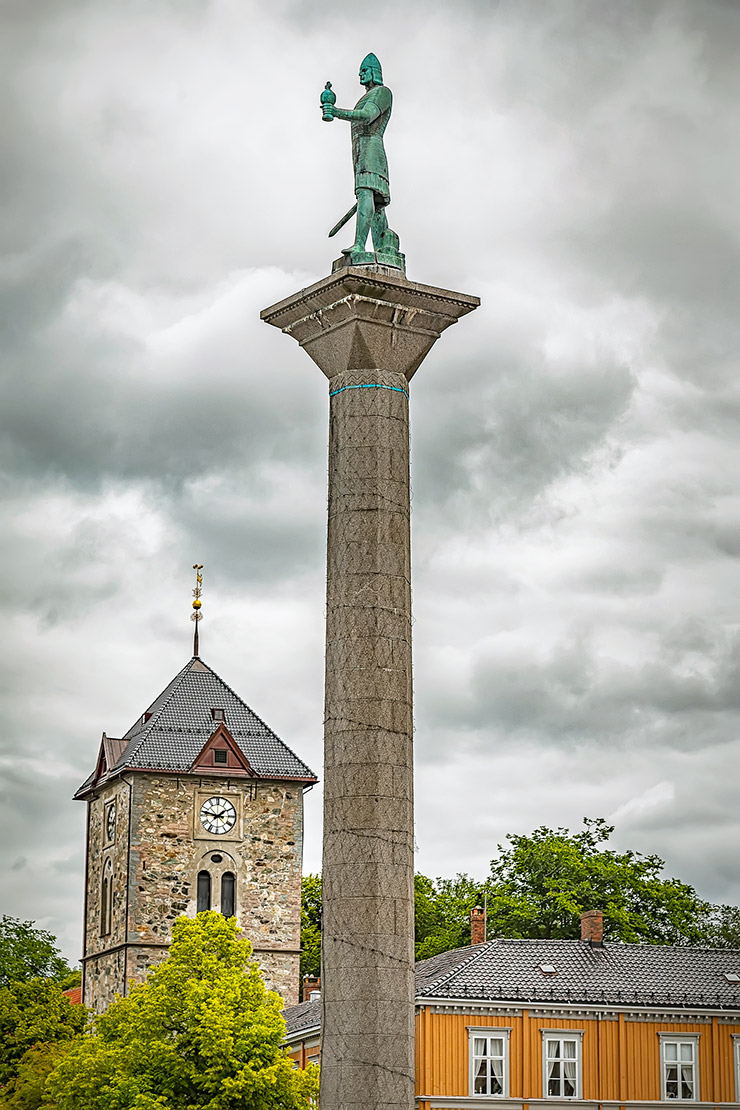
x=74 y=994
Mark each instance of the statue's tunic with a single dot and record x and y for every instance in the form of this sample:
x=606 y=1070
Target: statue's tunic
x=368 y=152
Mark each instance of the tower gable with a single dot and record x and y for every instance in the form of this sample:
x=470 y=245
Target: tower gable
x=221 y=755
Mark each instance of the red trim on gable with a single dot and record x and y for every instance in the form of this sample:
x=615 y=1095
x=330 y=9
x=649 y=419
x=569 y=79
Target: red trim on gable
x=221 y=740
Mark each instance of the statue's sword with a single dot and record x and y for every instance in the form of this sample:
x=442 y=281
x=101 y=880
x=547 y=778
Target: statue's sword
x=343 y=221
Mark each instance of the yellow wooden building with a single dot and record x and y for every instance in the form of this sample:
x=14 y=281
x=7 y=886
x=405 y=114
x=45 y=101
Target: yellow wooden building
x=519 y=1023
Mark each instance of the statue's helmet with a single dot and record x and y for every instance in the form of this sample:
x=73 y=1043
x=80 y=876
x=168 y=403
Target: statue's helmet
x=371 y=62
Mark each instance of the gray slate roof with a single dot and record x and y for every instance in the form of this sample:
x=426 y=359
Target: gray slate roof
x=171 y=733
x=618 y=974
x=631 y=974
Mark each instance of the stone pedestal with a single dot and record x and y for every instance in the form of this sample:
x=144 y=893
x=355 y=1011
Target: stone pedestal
x=368 y=329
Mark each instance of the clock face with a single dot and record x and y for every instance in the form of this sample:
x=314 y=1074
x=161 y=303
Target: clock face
x=110 y=822
x=217 y=815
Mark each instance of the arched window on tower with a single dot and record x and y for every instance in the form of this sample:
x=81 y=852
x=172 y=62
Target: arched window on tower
x=106 y=900
x=204 y=891
x=228 y=894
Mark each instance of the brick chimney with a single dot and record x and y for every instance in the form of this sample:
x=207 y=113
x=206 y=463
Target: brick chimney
x=477 y=925
x=310 y=983
x=592 y=928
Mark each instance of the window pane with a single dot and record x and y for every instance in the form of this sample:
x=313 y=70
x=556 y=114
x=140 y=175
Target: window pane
x=553 y=1087
x=104 y=907
x=553 y=1070
x=687 y=1081
x=569 y=1049
x=496 y=1047
x=479 y=1046
x=553 y=1049
x=671 y=1050
x=569 y=1088
x=569 y=1070
x=497 y=1078
x=479 y=1085
x=671 y=1090
x=204 y=891
x=227 y=894
x=687 y=1052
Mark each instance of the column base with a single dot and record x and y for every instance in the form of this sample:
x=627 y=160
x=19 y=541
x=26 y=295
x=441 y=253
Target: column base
x=390 y=260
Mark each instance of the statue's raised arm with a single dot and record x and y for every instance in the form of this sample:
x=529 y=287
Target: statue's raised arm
x=369 y=119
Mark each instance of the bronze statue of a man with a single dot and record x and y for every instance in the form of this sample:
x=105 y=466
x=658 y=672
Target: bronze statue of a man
x=369 y=119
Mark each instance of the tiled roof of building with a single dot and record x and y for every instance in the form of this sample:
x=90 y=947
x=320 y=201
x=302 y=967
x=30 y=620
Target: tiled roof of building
x=631 y=974
x=306 y=1015
x=171 y=733
x=617 y=974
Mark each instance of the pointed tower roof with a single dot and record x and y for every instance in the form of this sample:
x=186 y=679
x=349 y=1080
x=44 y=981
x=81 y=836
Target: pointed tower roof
x=171 y=734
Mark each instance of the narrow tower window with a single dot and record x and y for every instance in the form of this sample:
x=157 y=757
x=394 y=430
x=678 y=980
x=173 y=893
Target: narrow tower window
x=106 y=900
x=204 y=891
x=228 y=891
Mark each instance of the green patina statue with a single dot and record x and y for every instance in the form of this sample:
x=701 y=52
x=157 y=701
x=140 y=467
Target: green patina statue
x=369 y=119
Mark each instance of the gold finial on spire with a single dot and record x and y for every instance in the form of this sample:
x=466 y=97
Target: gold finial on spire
x=196 y=615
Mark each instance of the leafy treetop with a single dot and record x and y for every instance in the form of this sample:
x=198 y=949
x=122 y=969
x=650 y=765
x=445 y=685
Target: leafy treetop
x=539 y=885
x=29 y=953
x=202 y=1032
x=32 y=1013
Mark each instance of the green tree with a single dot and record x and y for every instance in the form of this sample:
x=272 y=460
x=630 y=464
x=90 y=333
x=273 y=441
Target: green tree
x=442 y=913
x=722 y=927
x=201 y=1032
x=27 y=1091
x=29 y=953
x=541 y=883
x=34 y=1013
x=311 y=925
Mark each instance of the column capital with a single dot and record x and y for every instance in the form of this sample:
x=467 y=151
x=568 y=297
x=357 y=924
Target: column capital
x=362 y=318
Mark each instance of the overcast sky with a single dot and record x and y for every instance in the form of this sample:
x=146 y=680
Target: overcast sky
x=575 y=461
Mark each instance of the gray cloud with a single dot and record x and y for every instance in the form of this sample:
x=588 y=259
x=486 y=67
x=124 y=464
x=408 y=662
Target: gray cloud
x=576 y=508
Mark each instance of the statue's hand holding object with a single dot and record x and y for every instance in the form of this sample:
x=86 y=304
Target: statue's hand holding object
x=328 y=100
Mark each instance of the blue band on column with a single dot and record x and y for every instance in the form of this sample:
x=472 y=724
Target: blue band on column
x=369 y=385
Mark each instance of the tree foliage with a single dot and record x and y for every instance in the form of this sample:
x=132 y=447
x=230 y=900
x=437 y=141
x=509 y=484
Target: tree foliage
x=28 y=1090
x=202 y=1032
x=723 y=926
x=29 y=953
x=311 y=925
x=443 y=913
x=539 y=885
x=34 y=1013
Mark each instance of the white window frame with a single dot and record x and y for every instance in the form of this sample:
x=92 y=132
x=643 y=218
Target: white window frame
x=500 y=1032
x=563 y=1035
x=736 y=1063
x=679 y=1039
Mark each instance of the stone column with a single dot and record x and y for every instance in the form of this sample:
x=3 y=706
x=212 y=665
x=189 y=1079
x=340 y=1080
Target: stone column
x=368 y=329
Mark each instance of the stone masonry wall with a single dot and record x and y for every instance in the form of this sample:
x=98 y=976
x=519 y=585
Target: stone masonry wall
x=105 y=974
x=169 y=846
x=264 y=852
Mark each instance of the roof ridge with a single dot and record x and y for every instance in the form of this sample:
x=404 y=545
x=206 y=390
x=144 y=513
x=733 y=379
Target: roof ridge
x=128 y=752
x=479 y=950
x=616 y=943
x=255 y=715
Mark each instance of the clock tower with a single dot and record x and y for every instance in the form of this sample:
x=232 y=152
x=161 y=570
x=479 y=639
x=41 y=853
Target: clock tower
x=199 y=806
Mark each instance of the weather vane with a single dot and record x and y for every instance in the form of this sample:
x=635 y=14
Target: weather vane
x=196 y=614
